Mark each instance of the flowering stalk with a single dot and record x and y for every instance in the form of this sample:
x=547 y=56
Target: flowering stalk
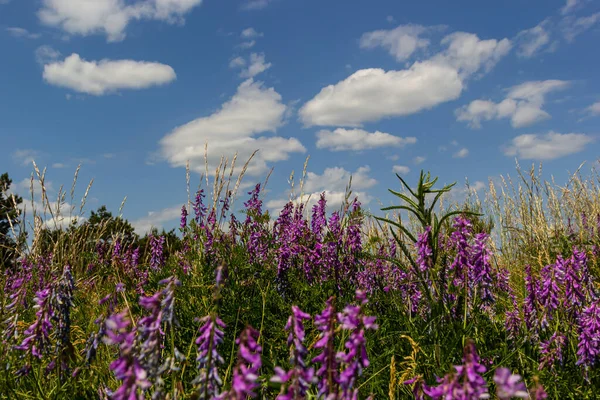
x=299 y=378
x=245 y=374
x=127 y=368
x=466 y=383
x=328 y=372
x=355 y=359
x=62 y=301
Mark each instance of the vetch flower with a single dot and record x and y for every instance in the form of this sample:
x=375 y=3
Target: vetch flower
x=210 y=336
x=588 y=348
x=245 y=374
x=299 y=378
x=328 y=372
x=509 y=385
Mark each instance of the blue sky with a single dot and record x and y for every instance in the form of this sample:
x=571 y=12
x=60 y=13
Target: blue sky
x=134 y=89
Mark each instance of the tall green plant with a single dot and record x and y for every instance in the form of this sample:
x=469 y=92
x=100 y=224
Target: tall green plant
x=416 y=204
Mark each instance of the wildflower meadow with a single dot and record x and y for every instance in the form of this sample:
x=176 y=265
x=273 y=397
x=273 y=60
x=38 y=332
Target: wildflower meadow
x=495 y=298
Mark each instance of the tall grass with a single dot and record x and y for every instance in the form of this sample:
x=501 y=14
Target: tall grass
x=510 y=281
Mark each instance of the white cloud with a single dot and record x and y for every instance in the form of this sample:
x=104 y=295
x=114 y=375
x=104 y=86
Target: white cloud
x=532 y=40
x=547 y=147
x=22 y=33
x=23 y=187
x=594 y=109
x=25 y=156
x=462 y=153
x=250 y=33
x=237 y=62
x=372 y=94
x=337 y=178
x=46 y=54
x=400 y=42
x=468 y=54
x=569 y=6
x=256 y=66
x=256 y=4
x=357 y=139
x=156 y=219
x=400 y=169
x=573 y=27
x=523 y=105
x=419 y=160
x=110 y=17
x=59 y=165
x=252 y=110
x=106 y=76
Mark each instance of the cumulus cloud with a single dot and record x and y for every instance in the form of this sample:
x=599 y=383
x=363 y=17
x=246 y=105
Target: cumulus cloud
x=523 y=105
x=256 y=66
x=106 y=76
x=22 y=33
x=462 y=153
x=547 y=147
x=369 y=95
x=532 y=41
x=594 y=109
x=254 y=109
x=400 y=169
x=469 y=54
x=401 y=42
x=357 y=139
x=156 y=219
x=110 y=17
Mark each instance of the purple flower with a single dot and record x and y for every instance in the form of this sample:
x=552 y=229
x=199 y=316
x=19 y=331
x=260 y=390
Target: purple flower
x=199 y=208
x=245 y=374
x=318 y=220
x=328 y=372
x=62 y=301
x=513 y=319
x=588 y=348
x=127 y=368
x=37 y=336
x=481 y=268
x=300 y=377
x=530 y=301
x=355 y=359
x=184 y=215
x=549 y=292
x=466 y=383
x=552 y=350
x=157 y=259
x=538 y=392
x=150 y=339
x=210 y=336
x=509 y=385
